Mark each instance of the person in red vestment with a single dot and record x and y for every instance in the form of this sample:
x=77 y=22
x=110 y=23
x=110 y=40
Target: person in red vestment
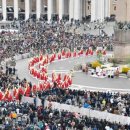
x=34 y=88
x=48 y=85
x=69 y=81
x=46 y=77
x=81 y=52
x=27 y=90
x=44 y=70
x=59 y=84
x=63 y=52
x=41 y=57
x=47 y=56
x=14 y=91
x=67 y=55
x=46 y=60
x=38 y=75
x=43 y=86
x=54 y=55
x=54 y=76
x=104 y=52
x=52 y=58
x=1 y=95
x=42 y=76
x=63 y=85
x=87 y=52
x=74 y=54
x=97 y=51
x=36 y=59
x=40 y=87
x=17 y=95
x=66 y=84
x=91 y=52
x=59 y=56
x=70 y=54
x=6 y=94
x=35 y=73
x=9 y=98
x=21 y=91
x=65 y=77
x=59 y=77
x=43 y=62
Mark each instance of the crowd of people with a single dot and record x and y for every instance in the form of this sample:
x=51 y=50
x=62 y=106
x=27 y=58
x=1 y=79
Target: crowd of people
x=26 y=116
x=115 y=103
x=34 y=36
x=41 y=37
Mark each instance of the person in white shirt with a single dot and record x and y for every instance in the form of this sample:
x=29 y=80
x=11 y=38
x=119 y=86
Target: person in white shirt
x=107 y=127
x=17 y=110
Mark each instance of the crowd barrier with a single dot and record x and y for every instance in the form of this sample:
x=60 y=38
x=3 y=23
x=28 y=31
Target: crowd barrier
x=90 y=113
x=18 y=57
x=30 y=100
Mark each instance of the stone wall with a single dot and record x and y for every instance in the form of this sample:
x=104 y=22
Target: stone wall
x=122 y=52
x=122 y=36
x=122 y=45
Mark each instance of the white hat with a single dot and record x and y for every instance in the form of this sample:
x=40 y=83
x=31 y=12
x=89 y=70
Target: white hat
x=59 y=124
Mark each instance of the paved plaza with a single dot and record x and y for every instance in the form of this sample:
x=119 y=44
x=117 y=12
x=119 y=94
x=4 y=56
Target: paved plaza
x=80 y=80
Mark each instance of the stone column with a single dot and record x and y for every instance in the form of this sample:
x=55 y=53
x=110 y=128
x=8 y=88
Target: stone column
x=16 y=9
x=93 y=10
x=61 y=9
x=83 y=7
x=38 y=8
x=42 y=7
x=102 y=11
x=98 y=10
x=50 y=9
x=27 y=9
x=4 y=11
x=66 y=7
x=107 y=8
x=71 y=9
x=77 y=9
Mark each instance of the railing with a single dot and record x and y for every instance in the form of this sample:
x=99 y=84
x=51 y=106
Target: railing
x=90 y=113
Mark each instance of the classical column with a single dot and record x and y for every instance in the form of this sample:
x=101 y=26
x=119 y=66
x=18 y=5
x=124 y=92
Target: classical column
x=71 y=9
x=4 y=11
x=27 y=9
x=16 y=9
x=98 y=10
x=83 y=7
x=77 y=9
x=61 y=9
x=102 y=11
x=107 y=8
x=38 y=8
x=93 y=10
x=50 y=9
x=42 y=7
x=66 y=7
